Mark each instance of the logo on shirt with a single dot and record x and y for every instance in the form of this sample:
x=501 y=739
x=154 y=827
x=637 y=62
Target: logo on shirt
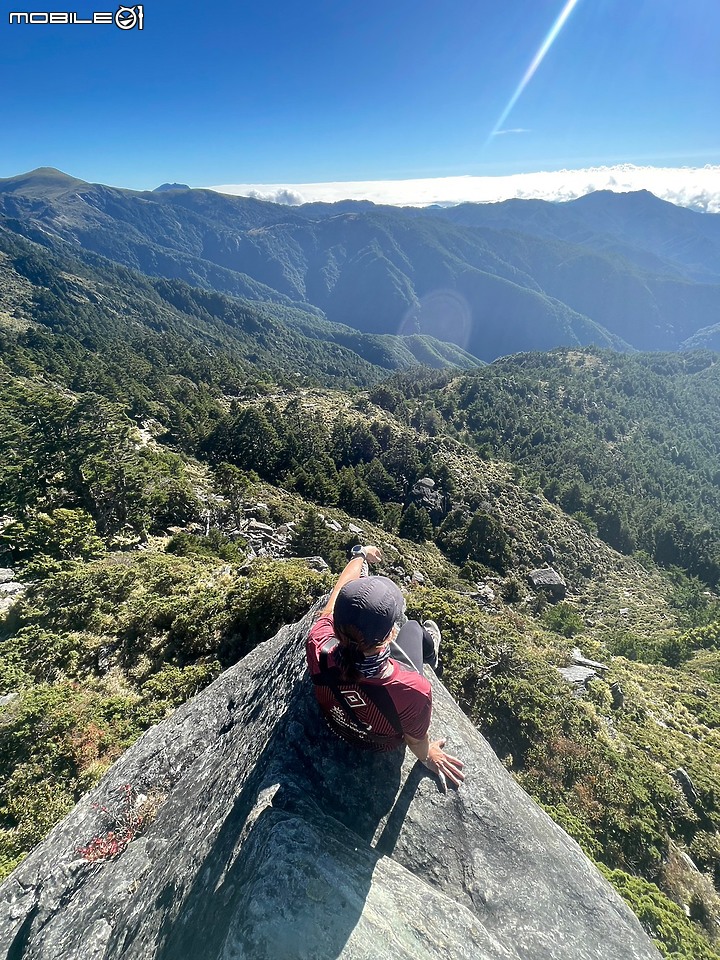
x=342 y=721
x=353 y=699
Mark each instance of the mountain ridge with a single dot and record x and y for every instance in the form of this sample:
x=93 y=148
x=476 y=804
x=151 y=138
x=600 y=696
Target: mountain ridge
x=376 y=268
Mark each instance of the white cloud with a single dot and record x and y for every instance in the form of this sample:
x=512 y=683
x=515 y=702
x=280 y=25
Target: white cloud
x=276 y=194
x=696 y=187
x=502 y=133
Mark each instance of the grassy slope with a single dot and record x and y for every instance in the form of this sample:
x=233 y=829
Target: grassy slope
x=106 y=647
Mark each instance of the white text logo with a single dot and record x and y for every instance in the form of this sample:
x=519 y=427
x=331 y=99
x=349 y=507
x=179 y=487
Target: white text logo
x=125 y=18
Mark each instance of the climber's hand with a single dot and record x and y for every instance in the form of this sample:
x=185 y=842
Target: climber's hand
x=444 y=766
x=373 y=554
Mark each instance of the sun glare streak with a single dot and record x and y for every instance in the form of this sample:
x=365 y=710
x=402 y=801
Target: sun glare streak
x=536 y=61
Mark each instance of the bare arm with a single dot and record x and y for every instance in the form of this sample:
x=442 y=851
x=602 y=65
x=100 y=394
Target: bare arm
x=351 y=572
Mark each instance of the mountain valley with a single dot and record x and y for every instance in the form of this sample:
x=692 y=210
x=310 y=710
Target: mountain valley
x=207 y=400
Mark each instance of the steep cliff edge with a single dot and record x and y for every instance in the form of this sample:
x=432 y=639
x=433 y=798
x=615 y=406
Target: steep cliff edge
x=275 y=840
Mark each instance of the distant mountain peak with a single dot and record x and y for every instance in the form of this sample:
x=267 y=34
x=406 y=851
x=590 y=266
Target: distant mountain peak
x=42 y=181
x=635 y=197
x=49 y=171
x=170 y=186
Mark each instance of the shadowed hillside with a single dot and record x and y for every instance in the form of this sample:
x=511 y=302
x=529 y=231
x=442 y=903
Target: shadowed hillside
x=621 y=271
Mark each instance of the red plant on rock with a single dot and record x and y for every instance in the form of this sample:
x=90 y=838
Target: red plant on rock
x=136 y=811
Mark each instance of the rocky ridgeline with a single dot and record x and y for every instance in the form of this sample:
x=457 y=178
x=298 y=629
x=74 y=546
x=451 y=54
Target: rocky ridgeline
x=264 y=539
x=251 y=832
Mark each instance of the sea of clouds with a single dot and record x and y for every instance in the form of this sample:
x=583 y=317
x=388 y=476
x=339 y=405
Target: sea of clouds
x=695 y=187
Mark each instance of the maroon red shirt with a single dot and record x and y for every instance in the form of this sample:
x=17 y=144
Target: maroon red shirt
x=411 y=693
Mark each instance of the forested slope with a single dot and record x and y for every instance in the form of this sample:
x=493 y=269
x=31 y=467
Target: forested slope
x=163 y=473
x=628 y=444
x=620 y=271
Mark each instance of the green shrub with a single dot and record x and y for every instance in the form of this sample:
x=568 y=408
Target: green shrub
x=586 y=522
x=575 y=827
x=691 y=600
x=670 y=648
x=479 y=537
x=704 y=638
x=675 y=936
x=312 y=538
x=55 y=741
x=59 y=535
x=473 y=571
x=564 y=619
x=674 y=650
x=170 y=687
x=415 y=524
x=274 y=594
x=215 y=544
x=512 y=590
x=169 y=622
x=705 y=850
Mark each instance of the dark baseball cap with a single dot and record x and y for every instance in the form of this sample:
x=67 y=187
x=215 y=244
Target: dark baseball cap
x=369 y=605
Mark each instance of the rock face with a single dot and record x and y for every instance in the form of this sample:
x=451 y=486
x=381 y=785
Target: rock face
x=550 y=580
x=578 y=676
x=424 y=494
x=580 y=660
x=10 y=589
x=618 y=695
x=684 y=781
x=276 y=841
x=582 y=670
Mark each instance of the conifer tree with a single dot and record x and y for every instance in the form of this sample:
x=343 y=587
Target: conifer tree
x=415 y=524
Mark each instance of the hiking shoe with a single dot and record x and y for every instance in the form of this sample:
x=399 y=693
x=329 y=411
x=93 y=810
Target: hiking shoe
x=433 y=630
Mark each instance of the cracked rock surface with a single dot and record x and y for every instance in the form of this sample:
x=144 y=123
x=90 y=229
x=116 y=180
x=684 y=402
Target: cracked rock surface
x=278 y=841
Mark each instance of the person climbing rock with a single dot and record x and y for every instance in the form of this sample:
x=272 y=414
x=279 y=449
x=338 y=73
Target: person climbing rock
x=368 y=674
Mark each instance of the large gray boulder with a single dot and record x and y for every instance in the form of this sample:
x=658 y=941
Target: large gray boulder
x=549 y=580
x=437 y=503
x=277 y=841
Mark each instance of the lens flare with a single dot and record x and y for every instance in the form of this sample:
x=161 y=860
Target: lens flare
x=536 y=61
x=444 y=314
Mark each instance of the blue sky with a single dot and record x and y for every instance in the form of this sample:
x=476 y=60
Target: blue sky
x=334 y=91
